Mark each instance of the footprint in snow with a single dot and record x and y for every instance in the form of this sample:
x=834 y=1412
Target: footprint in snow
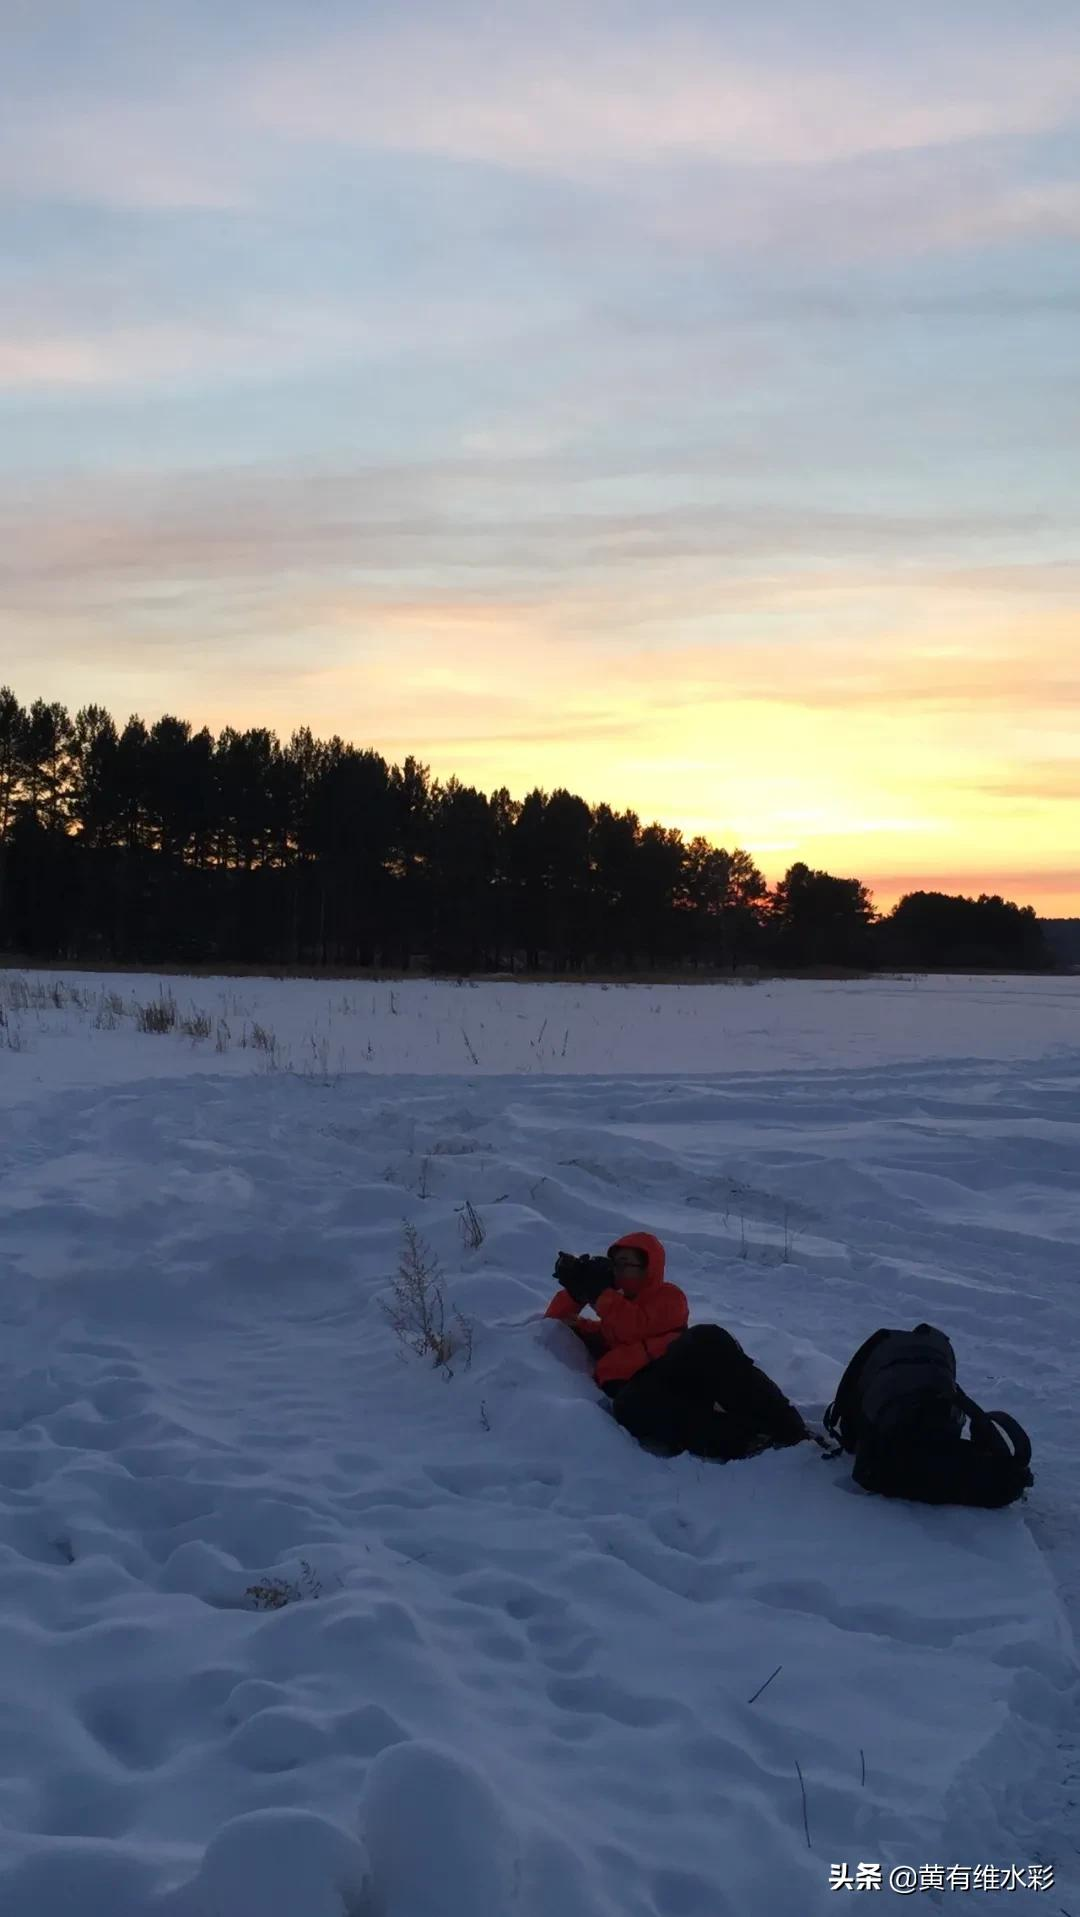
x=281 y=1738
x=600 y=1698
x=505 y=1594
x=83 y=1803
x=368 y=1729
x=548 y=1621
x=251 y=1694
x=563 y=1657
x=90 y=1877
x=431 y=1820
x=278 y=1863
x=671 y=1529
x=19 y=1469
x=132 y=1720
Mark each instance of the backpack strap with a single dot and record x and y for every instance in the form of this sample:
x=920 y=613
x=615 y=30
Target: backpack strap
x=1015 y=1432
x=996 y=1431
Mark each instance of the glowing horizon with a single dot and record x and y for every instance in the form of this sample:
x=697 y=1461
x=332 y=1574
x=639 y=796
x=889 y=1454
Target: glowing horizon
x=681 y=411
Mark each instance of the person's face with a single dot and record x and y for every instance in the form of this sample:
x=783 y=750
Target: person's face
x=629 y=1269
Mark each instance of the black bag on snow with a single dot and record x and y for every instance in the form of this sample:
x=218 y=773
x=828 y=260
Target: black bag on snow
x=899 y=1410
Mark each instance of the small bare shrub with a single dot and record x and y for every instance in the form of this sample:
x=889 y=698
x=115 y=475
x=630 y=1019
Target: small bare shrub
x=417 y=1313
x=473 y=1229
x=272 y=1594
x=11 y=1038
x=197 y=1025
x=224 y=1036
x=158 y=1015
x=261 y=1039
x=22 y=996
x=110 y=1011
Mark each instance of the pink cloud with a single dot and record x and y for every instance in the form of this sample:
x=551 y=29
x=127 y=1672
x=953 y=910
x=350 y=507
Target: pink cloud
x=580 y=97
x=130 y=151
x=464 y=520
x=278 y=337
x=616 y=106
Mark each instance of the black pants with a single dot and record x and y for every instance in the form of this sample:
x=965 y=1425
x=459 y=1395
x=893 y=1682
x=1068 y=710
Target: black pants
x=670 y=1405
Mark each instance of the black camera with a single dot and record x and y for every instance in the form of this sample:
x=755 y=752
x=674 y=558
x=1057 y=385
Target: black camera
x=584 y=1278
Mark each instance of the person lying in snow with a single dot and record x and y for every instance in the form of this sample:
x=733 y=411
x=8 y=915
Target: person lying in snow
x=672 y=1388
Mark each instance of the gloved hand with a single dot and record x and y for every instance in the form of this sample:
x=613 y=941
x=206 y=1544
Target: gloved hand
x=566 y=1274
x=583 y=1278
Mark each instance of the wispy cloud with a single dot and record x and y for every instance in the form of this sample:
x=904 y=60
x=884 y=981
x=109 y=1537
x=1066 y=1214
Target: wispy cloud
x=693 y=134
x=883 y=207
x=574 y=99
x=281 y=337
x=451 y=516
x=1056 y=780
x=125 y=356
x=129 y=153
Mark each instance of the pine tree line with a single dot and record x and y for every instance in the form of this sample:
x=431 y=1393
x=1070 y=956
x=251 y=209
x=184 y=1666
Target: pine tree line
x=163 y=845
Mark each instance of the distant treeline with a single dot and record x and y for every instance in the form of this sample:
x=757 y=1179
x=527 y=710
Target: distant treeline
x=160 y=844
x=1063 y=938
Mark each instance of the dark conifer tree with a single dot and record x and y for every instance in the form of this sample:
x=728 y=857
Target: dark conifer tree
x=158 y=844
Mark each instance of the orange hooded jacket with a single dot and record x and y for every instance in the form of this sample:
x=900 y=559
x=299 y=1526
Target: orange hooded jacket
x=634 y=1329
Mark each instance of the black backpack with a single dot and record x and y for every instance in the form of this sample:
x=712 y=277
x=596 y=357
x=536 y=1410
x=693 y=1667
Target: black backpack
x=900 y=1412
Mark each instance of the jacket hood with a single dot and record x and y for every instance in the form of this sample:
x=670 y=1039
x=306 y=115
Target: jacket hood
x=655 y=1256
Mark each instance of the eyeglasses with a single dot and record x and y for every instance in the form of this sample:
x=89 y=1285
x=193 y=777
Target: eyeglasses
x=628 y=1261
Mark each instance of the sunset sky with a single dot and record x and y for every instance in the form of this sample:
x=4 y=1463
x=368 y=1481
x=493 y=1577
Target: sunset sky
x=679 y=402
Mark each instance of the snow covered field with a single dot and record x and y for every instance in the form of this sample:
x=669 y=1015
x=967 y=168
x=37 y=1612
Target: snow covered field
x=504 y=1663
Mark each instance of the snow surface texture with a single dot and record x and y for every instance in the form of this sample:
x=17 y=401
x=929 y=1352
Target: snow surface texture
x=514 y=1671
